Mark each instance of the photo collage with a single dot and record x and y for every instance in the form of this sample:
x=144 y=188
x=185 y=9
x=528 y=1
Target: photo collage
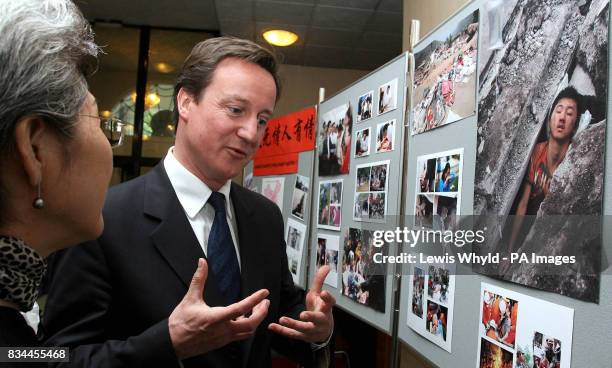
x=371 y=182
x=431 y=294
x=519 y=331
x=438 y=190
x=363 y=280
x=330 y=205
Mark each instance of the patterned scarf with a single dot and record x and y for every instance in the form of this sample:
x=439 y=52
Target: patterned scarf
x=21 y=271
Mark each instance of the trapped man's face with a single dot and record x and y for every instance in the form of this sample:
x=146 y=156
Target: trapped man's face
x=563 y=119
x=222 y=131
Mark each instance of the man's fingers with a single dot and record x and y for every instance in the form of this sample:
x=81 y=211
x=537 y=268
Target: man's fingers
x=285 y=331
x=196 y=288
x=328 y=302
x=297 y=325
x=244 y=306
x=319 y=277
x=250 y=324
x=314 y=317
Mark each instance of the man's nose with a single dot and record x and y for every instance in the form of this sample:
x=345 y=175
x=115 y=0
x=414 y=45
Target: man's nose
x=248 y=131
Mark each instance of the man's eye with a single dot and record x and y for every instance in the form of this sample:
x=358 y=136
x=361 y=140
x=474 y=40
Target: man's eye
x=234 y=110
x=263 y=122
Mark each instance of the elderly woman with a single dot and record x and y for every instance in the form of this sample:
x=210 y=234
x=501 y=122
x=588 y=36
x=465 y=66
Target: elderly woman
x=55 y=159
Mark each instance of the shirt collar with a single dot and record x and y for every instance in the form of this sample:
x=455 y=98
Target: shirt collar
x=192 y=192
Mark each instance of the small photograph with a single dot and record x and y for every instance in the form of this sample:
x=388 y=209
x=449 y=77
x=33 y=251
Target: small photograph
x=418 y=285
x=334 y=141
x=499 y=317
x=361 y=210
x=424 y=211
x=447 y=174
x=376 y=206
x=436 y=319
x=437 y=284
x=546 y=351
x=446 y=212
x=273 y=189
x=524 y=359
x=365 y=106
x=385 y=133
x=362 y=280
x=300 y=195
x=426 y=169
x=387 y=97
x=336 y=193
x=329 y=210
x=327 y=254
x=493 y=356
x=294 y=238
x=334 y=216
x=324 y=193
x=378 y=178
x=362 y=143
x=363 y=179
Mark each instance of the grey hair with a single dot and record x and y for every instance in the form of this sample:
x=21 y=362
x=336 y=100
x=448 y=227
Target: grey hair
x=46 y=50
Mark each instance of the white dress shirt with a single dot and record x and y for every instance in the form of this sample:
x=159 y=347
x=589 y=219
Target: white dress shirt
x=193 y=196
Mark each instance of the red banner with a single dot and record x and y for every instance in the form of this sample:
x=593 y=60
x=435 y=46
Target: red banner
x=292 y=133
x=276 y=165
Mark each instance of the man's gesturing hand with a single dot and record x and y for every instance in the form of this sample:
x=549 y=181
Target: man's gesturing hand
x=195 y=328
x=317 y=322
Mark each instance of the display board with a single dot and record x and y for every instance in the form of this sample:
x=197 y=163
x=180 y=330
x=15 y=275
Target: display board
x=293 y=193
x=356 y=189
x=461 y=134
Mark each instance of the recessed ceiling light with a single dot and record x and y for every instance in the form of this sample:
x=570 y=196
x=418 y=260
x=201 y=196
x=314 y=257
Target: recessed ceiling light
x=279 y=37
x=164 y=67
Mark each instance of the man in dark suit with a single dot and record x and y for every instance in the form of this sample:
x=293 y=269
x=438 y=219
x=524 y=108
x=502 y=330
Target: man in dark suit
x=129 y=299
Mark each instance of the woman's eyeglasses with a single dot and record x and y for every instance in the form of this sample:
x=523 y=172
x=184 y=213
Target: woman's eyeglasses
x=114 y=129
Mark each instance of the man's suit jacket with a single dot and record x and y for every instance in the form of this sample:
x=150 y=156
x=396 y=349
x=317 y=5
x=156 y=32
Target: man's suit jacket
x=109 y=300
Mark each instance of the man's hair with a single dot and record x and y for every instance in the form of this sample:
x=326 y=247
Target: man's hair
x=199 y=67
x=46 y=49
x=571 y=93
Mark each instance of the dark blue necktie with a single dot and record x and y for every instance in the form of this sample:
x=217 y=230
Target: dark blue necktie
x=221 y=255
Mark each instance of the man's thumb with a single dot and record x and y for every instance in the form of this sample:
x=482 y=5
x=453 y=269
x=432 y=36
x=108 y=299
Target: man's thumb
x=196 y=288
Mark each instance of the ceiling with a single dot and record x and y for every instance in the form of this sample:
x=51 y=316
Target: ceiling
x=347 y=34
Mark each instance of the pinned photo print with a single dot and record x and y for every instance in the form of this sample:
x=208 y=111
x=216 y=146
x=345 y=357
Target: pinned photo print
x=363 y=280
x=436 y=319
x=327 y=254
x=423 y=212
x=365 y=106
x=329 y=205
x=295 y=236
x=273 y=189
x=385 y=133
x=448 y=173
x=362 y=143
x=426 y=170
x=334 y=141
x=387 y=97
x=546 y=351
x=418 y=286
x=361 y=210
x=499 y=318
x=445 y=76
x=446 y=212
x=371 y=182
x=300 y=196
x=438 y=282
x=493 y=356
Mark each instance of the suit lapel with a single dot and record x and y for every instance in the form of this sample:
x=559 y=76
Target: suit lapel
x=252 y=264
x=174 y=237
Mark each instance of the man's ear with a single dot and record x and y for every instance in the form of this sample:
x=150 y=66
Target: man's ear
x=29 y=138
x=183 y=103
